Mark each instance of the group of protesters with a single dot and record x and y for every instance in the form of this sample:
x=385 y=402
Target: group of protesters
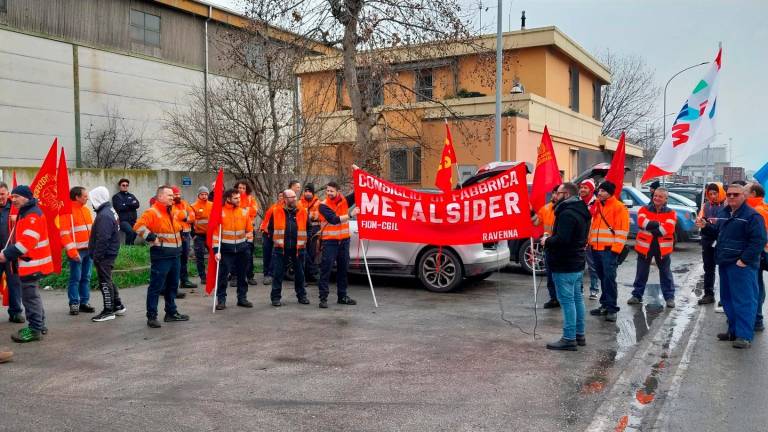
x=585 y=225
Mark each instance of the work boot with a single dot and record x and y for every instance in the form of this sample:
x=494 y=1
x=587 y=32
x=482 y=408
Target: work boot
x=346 y=301
x=18 y=319
x=303 y=300
x=221 y=306
x=552 y=304
x=562 y=345
x=323 y=304
x=276 y=303
x=153 y=323
x=759 y=326
x=252 y=281
x=610 y=316
x=726 y=337
x=601 y=311
x=670 y=303
x=267 y=280
x=741 y=343
x=74 y=309
x=6 y=356
x=244 y=303
x=707 y=299
x=581 y=340
x=27 y=334
x=86 y=308
x=175 y=317
x=634 y=301
x=188 y=284
x=181 y=295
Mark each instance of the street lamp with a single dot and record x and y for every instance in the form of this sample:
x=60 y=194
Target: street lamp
x=665 y=92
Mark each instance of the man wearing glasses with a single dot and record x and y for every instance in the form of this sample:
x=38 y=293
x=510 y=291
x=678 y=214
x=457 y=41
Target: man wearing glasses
x=741 y=236
x=126 y=204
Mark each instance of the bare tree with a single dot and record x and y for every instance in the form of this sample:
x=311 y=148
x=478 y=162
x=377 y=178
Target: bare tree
x=116 y=144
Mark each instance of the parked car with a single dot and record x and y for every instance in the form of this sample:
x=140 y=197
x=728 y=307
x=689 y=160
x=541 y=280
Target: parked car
x=597 y=173
x=685 y=229
x=692 y=192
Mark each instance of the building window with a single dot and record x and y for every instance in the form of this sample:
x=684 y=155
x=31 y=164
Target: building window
x=405 y=165
x=424 y=85
x=145 y=28
x=574 y=88
x=596 y=105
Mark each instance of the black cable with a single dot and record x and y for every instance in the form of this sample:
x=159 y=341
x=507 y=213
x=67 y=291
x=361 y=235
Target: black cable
x=501 y=305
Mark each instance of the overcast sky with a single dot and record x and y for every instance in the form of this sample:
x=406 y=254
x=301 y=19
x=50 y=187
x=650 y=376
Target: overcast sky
x=670 y=35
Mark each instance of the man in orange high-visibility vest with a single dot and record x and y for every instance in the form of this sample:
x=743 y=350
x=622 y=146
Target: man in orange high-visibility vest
x=232 y=249
x=202 y=208
x=334 y=229
x=288 y=229
x=655 y=241
x=75 y=232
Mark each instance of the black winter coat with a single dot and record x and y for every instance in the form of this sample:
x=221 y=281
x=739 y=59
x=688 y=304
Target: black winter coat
x=126 y=204
x=566 y=247
x=105 y=239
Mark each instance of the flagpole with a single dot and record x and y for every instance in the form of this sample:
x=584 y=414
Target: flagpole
x=216 y=282
x=533 y=268
x=368 y=272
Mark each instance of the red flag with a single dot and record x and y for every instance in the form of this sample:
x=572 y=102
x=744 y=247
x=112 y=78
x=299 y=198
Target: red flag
x=616 y=172
x=546 y=175
x=444 y=177
x=214 y=223
x=44 y=189
x=62 y=186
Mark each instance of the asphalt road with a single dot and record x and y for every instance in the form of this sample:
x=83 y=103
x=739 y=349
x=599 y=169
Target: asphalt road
x=464 y=361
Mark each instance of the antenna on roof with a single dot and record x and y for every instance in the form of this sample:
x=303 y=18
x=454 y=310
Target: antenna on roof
x=522 y=21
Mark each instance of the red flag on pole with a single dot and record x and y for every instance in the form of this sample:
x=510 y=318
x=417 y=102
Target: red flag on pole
x=44 y=189
x=615 y=174
x=546 y=174
x=11 y=222
x=62 y=186
x=214 y=226
x=444 y=177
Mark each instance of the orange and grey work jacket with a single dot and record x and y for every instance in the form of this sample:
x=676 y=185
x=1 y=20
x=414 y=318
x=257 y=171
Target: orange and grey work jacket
x=610 y=226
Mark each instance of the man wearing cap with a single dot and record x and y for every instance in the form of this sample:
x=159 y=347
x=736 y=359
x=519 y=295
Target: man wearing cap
x=311 y=204
x=607 y=238
x=29 y=252
x=7 y=222
x=187 y=217
x=202 y=208
x=587 y=194
x=126 y=204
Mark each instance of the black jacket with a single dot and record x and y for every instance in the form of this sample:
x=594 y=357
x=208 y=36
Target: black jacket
x=740 y=236
x=126 y=204
x=566 y=247
x=291 y=228
x=105 y=240
x=5 y=214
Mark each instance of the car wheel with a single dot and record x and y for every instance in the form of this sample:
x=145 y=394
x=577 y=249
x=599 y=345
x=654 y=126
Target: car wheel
x=481 y=276
x=444 y=277
x=525 y=258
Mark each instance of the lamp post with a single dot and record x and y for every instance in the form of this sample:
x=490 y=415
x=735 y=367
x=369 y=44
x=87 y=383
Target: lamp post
x=665 y=92
x=499 y=58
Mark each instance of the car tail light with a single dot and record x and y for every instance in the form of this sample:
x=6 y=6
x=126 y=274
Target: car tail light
x=491 y=246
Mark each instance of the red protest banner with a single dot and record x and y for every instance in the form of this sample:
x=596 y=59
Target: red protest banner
x=494 y=210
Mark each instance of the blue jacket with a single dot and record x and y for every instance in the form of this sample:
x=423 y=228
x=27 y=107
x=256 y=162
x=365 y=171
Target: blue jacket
x=740 y=235
x=105 y=238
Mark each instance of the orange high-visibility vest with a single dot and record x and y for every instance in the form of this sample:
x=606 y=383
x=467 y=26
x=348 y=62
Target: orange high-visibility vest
x=186 y=215
x=79 y=225
x=249 y=202
x=667 y=221
x=202 y=211
x=546 y=215
x=761 y=207
x=340 y=231
x=236 y=228
x=166 y=227
x=31 y=239
x=615 y=214
x=268 y=215
x=313 y=209
x=278 y=226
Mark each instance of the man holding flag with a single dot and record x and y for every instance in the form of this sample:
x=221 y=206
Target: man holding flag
x=12 y=291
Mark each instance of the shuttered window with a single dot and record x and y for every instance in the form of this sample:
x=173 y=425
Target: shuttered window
x=145 y=28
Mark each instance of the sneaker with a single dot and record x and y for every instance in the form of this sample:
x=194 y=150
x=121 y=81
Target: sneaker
x=221 y=306
x=726 y=337
x=303 y=300
x=610 y=316
x=245 y=304
x=634 y=301
x=18 y=319
x=670 y=303
x=153 y=323
x=181 y=295
x=719 y=308
x=188 y=284
x=581 y=340
x=346 y=301
x=593 y=296
x=103 y=316
x=176 y=317
x=74 y=309
x=323 y=304
x=252 y=281
x=121 y=310
x=86 y=308
x=707 y=299
x=267 y=280
x=562 y=345
x=6 y=356
x=741 y=343
x=552 y=304
x=276 y=303
x=27 y=334
x=601 y=311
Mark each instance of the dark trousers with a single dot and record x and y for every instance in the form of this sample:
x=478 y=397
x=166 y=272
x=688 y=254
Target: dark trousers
x=14 y=289
x=186 y=239
x=665 y=275
x=127 y=228
x=334 y=251
x=550 y=282
x=267 y=254
x=761 y=289
x=33 y=304
x=249 y=272
x=163 y=280
x=708 y=257
x=605 y=265
x=108 y=289
x=234 y=263
x=200 y=250
x=739 y=296
x=310 y=263
x=280 y=260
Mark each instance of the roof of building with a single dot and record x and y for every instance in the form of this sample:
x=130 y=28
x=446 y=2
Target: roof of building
x=236 y=19
x=527 y=38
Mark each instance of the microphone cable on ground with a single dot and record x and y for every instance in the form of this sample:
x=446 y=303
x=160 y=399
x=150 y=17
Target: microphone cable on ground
x=502 y=312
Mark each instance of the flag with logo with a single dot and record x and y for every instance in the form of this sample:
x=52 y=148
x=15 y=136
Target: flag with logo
x=214 y=223
x=546 y=175
x=444 y=177
x=693 y=128
x=44 y=189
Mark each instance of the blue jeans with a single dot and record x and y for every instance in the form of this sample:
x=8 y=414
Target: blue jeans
x=334 y=251
x=605 y=265
x=267 y=254
x=280 y=259
x=571 y=298
x=594 y=279
x=14 y=290
x=665 y=275
x=739 y=296
x=127 y=228
x=79 y=287
x=163 y=280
